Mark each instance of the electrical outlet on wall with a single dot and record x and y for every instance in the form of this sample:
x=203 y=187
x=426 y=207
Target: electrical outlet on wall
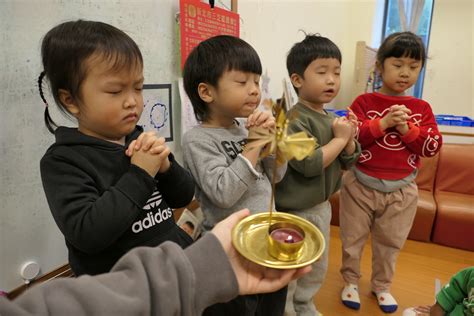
x=29 y=271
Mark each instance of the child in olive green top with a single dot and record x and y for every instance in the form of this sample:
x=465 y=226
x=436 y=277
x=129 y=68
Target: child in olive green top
x=314 y=66
x=309 y=182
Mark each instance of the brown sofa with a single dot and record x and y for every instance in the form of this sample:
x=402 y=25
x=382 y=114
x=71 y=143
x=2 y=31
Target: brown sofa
x=445 y=212
x=454 y=195
x=426 y=212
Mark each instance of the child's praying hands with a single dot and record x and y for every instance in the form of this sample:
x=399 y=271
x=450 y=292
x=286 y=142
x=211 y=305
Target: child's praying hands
x=142 y=149
x=259 y=118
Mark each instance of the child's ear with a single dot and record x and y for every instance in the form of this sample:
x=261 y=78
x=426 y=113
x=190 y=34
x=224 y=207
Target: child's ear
x=205 y=92
x=378 y=67
x=68 y=101
x=296 y=80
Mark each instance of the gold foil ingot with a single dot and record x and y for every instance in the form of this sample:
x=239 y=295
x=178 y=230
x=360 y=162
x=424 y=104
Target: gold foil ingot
x=251 y=237
x=281 y=250
x=285 y=147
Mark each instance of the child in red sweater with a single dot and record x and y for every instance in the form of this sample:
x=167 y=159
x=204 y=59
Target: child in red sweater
x=379 y=195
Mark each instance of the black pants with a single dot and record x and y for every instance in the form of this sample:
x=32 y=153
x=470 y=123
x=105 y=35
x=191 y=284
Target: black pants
x=270 y=304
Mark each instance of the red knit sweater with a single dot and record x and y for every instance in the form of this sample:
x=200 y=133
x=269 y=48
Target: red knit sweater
x=388 y=154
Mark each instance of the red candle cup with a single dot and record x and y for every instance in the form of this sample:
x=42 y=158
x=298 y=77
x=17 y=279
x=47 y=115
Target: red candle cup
x=285 y=241
x=286 y=235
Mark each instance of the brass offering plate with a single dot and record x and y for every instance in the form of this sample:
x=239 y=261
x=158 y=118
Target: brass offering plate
x=250 y=235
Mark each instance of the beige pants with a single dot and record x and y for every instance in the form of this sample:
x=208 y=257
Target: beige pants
x=388 y=216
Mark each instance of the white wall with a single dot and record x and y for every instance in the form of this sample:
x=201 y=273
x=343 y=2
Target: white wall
x=272 y=27
x=449 y=75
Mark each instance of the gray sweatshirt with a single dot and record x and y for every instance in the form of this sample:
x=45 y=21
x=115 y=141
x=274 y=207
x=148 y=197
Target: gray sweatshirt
x=165 y=280
x=226 y=181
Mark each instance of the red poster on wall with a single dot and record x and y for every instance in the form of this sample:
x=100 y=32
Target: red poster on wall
x=199 y=22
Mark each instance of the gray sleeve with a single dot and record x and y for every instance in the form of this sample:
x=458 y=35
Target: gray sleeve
x=268 y=163
x=165 y=280
x=223 y=183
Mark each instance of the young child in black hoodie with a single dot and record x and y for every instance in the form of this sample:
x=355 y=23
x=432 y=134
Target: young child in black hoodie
x=110 y=186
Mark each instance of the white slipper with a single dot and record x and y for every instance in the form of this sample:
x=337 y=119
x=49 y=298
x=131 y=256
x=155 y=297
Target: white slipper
x=387 y=302
x=350 y=296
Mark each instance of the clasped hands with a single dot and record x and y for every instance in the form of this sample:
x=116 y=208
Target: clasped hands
x=397 y=116
x=149 y=152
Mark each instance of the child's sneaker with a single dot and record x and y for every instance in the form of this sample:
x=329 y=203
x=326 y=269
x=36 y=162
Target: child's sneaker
x=350 y=296
x=387 y=303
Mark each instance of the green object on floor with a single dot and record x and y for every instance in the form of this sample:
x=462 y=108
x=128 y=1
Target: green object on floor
x=457 y=297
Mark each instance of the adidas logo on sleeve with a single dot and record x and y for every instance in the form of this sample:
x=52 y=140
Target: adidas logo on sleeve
x=153 y=201
x=155 y=216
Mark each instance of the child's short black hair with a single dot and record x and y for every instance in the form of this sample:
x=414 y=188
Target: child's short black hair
x=303 y=53
x=67 y=46
x=210 y=59
x=402 y=44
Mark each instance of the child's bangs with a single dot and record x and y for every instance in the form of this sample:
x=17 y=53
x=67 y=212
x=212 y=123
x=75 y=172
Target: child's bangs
x=328 y=51
x=406 y=48
x=243 y=59
x=119 y=61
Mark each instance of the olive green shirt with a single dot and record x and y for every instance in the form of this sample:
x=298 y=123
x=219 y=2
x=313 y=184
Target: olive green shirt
x=306 y=183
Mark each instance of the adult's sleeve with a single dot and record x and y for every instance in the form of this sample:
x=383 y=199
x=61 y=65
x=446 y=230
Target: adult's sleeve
x=165 y=280
x=89 y=219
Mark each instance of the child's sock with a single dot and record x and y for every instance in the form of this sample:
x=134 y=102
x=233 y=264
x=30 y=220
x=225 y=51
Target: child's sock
x=350 y=296
x=387 y=302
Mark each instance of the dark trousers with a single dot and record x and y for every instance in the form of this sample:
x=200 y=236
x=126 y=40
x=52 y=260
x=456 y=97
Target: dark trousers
x=270 y=304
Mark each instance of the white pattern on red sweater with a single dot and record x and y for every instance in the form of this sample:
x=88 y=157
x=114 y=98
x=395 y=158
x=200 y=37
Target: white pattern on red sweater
x=388 y=154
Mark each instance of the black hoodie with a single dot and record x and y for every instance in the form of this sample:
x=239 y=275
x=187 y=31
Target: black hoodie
x=104 y=205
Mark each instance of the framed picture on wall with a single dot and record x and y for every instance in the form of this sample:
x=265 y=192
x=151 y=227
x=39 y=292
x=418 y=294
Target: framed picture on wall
x=157 y=111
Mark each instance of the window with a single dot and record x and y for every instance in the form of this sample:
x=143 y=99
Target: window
x=416 y=15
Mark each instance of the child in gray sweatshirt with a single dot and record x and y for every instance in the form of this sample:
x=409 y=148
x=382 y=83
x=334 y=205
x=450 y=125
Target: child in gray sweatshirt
x=221 y=77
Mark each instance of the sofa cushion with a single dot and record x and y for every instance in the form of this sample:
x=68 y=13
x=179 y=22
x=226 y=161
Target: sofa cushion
x=426 y=209
x=427 y=173
x=456 y=169
x=454 y=224
x=454 y=195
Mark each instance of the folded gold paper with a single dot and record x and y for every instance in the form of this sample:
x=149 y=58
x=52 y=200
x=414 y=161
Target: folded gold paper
x=286 y=147
x=259 y=237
